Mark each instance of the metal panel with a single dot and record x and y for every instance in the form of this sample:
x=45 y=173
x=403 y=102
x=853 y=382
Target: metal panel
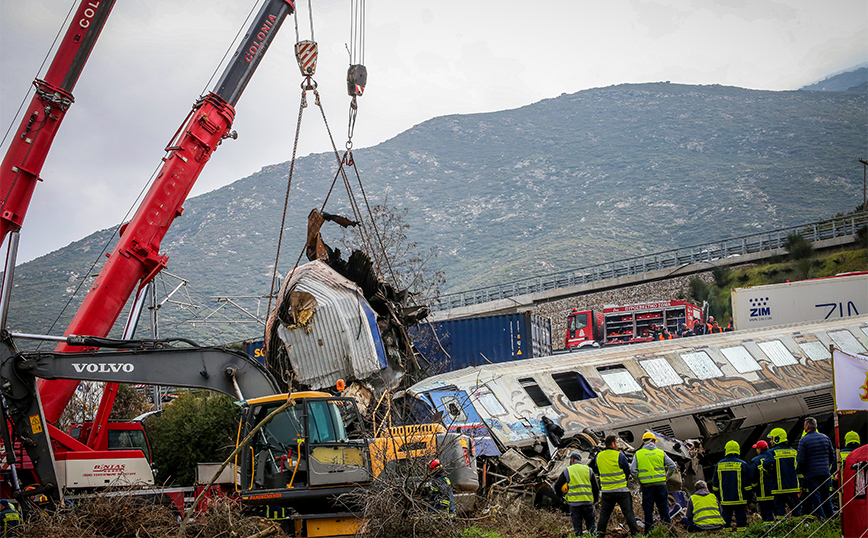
x=806 y=300
x=344 y=341
x=661 y=372
x=778 y=353
x=846 y=341
x=702 y=365
x=740 y=359
x=460 y=343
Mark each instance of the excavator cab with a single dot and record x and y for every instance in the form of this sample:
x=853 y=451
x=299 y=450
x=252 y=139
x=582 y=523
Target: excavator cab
x=318 y=444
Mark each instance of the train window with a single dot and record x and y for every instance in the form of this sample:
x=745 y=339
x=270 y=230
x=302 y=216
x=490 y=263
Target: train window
x=536 y=394
x=701 y=365
x=778 y=353
x=490 y=402
x=815 y=350
x=574 y=386
x=846 y=341
x=740 y=359
x=865 y=330
x=661 y=372
x=619 y=379
x=453 y=407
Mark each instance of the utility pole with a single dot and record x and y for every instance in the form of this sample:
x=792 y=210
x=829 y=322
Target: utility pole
x=864 y=183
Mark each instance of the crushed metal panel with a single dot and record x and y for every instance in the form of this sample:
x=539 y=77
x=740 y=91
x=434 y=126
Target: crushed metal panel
x=343 y=339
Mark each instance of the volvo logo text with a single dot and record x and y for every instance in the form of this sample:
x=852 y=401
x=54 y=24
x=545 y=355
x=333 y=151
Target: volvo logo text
x=103 y=367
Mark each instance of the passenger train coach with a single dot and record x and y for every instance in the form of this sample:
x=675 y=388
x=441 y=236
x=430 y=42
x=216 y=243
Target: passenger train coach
x=719 y=387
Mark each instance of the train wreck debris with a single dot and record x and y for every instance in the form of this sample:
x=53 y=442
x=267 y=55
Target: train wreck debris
x=705 y=391
x=335 y=320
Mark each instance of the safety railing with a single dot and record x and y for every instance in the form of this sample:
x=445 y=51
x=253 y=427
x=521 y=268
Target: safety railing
x=669 y=259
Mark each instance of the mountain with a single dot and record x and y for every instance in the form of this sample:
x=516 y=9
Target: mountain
x=578 y=179
x=855 y=80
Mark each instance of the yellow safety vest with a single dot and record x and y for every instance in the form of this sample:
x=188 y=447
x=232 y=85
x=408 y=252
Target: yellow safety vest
x=706 y=510
x=579 y=488
x=650 y=465
x=612 y=477
x=844 y=454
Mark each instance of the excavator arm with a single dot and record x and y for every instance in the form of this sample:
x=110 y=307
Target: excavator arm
x=223 y=370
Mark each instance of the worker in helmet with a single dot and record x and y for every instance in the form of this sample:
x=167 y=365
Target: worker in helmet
x=763 y=481
x=578 y=486
x=440 y=492
x=10 y=517
x=783 y=466
x=851 y=443
x=652 y=466
x=731 y=482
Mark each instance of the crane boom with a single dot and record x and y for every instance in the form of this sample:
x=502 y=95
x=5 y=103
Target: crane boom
x=29 y=147
x=136 y=258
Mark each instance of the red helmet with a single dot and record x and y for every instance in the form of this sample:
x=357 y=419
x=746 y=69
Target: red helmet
x=435 y=464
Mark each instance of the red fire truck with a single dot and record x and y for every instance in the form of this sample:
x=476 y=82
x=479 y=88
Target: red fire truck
x=628 y=324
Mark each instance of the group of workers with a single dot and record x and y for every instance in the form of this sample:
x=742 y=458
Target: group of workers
x=785 y=481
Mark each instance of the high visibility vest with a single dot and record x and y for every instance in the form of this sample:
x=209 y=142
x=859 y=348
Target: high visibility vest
x=11 y=518
x=785 y=469
x=612 y=477
x=650 y=465
x=579 y=487
x=845 y=452
x=275 y=512
x=706 y=510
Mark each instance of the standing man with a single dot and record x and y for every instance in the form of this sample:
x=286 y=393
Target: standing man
x=651 y=466
x=783 y=467
x=579 y=485
x=612 y=468
x=763 y=481
x=814 y=461
x=731 y=482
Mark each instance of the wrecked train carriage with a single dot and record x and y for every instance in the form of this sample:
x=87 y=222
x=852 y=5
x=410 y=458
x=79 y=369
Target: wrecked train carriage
x=730 y=386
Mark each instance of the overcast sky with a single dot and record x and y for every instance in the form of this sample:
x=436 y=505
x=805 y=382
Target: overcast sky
x=424 y=59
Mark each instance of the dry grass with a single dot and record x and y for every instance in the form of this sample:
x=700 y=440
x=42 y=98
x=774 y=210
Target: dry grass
x=104 y=516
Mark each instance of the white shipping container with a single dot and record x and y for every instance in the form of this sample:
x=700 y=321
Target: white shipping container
x=807 y=300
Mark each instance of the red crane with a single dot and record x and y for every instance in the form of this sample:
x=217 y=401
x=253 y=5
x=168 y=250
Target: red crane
x=32 y=141
x=136 y=258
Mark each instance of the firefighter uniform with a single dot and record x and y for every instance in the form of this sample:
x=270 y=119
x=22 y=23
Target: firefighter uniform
x=851 y=443
x=763 y=481
x=10 y=517
x=731 y=482
x=783 y=468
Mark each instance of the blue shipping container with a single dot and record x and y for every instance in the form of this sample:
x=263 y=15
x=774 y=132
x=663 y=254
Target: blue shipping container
x=460 y=343
x=256 y=349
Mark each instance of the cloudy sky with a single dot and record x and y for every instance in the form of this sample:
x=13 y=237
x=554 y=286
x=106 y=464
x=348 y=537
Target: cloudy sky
x=424 y=59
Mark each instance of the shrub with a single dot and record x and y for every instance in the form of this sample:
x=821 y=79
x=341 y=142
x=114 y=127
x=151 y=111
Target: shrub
x=798 y=247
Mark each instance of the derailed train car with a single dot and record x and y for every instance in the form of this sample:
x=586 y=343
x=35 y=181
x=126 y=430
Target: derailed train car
x=712 y=388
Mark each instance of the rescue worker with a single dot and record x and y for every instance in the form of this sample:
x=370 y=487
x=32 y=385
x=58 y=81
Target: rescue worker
x=852 y=441
x=783 y=468
x=440 y=492
x=703 y=511
x=814 y=461
x=651 y=466
x=731 y=482
x=11 y=518
x=580 y=491
x=612 y=468
x=763 y=481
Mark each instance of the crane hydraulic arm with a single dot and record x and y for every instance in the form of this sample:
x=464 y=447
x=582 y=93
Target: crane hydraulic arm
x=136 y=258
x=29 y=147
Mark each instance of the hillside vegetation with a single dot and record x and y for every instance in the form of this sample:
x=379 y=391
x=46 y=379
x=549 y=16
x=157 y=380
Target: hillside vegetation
x=587 y=177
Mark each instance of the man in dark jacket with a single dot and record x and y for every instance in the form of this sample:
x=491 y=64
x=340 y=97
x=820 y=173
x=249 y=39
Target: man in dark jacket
x=731 y=482
x=814 y=461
